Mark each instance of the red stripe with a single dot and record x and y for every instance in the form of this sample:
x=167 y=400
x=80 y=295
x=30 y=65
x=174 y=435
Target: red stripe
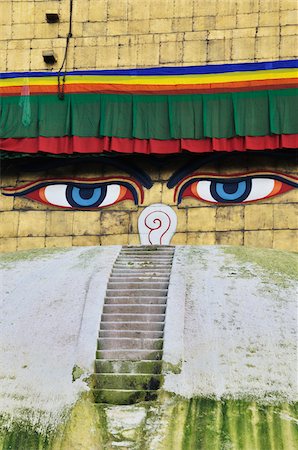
x=156 y=89
x=75 y=144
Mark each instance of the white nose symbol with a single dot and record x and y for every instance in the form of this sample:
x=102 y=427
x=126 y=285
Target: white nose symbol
x=157 y=223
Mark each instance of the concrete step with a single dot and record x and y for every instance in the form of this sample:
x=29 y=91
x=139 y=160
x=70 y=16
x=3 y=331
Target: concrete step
x=133 y=318
x=128 y=360
x=144 y=259
x=143 y=262
x=142 y=265
x=141 y=271
x=137 y=273
x=118 y=366
x=129 y=355
x=147 y=248
x=139 y=279
x=131 y=334
x=136 y=300
x=126 y=381
x=134 y=309
x=124 y=284
x=136 y=292
x=134 y=326
x=122 y=397
x=129 y=343
x=144 y=254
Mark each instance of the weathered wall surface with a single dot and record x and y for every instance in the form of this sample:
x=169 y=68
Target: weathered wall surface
x=140 y=33
x=270 y=223
x=233 y=368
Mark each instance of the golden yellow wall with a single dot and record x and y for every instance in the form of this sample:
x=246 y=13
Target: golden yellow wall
x=138 y=33
x=268 y=223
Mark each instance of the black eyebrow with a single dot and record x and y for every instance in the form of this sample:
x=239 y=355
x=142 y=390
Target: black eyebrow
x=183 y=171
x=131 y=169
x=189 y=168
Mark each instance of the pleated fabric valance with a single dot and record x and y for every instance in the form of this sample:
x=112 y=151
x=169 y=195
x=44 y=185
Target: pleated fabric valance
x=196 y=103
x=190 y=116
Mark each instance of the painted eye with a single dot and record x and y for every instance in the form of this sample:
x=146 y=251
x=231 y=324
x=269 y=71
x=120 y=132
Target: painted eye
x=240 y=189
x=82 y=197
x=69 y=194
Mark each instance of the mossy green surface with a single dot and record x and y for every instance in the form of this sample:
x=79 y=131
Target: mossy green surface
x=7 y=260
x=170 y=423
x=209 y=424
x=280 y=266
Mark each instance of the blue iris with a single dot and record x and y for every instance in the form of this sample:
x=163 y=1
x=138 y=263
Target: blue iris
x=230 y=191
x=224 y=190
x=85 y=196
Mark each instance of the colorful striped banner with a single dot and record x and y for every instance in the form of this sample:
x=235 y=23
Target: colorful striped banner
x=225 y=78
x=166 y=104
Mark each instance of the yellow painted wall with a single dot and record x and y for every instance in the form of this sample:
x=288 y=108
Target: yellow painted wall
x=139 y=33
x=268 y=223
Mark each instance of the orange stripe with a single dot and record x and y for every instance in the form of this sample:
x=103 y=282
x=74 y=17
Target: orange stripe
x=277 y=187
x=167 y=89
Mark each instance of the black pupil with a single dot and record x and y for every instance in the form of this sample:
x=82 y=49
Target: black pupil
x=230 y=188
x=86 y=193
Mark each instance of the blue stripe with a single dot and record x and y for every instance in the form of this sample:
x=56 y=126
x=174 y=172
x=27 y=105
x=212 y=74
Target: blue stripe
x=190 y=70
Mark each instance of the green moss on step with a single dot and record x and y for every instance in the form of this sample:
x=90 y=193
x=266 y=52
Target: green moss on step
x=173 y=368
x=127 y=381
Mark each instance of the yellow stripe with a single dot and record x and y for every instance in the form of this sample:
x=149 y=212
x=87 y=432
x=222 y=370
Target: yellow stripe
x=157 y=80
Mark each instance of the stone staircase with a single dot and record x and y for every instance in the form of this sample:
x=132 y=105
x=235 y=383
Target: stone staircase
x=128 y=359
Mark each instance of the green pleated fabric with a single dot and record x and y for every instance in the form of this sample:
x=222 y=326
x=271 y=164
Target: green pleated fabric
x=189 y=116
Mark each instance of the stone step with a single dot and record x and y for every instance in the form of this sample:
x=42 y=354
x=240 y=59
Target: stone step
x=134 y=326
x=140 y=272
x=162 y=271
x=128 y=360
x=133 y=318
x=137 y=285
x=148 y=249
x=145 y=254
x=118 y=366
x=143 y=265
x=129 y=343
x=144 y=259
x=129 y=354
x=136 y=300
x=131 y=334
x=134 y=309
x=139 y=279
x=122 y=397
x=126 y=381
x=136 y=292
x=143 y=262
